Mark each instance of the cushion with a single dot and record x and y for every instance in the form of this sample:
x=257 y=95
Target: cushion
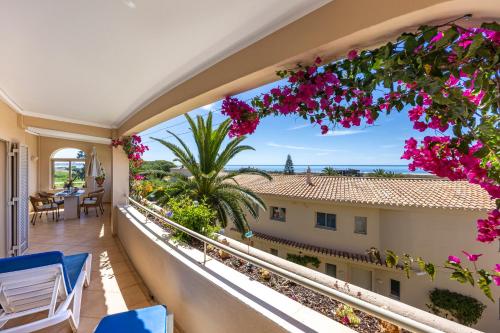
x=72 y=265
x=49 y=206
x=89 y=201
x=147 y=320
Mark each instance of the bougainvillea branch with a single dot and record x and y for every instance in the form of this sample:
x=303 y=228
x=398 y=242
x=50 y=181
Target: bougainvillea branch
x=446 y=78
x=134 y=148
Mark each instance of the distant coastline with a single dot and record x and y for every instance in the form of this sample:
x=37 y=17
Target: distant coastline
x=299 y=168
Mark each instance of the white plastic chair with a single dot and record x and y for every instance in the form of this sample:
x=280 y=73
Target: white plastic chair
x=41 y=282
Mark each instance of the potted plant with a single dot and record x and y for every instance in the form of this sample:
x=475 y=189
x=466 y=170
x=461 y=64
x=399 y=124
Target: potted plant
x=101 y=178
x=68 y=185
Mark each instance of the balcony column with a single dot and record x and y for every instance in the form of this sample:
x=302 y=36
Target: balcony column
x=120 y=183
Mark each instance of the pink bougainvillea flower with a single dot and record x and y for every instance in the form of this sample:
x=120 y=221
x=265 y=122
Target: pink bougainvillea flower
x=352 y=54
x=454 y=260
x=496 y=277
x=419 y=126
x=436 y=38
x=489 y=229
x=452 y=81
x=472 y=257
x=452 y=58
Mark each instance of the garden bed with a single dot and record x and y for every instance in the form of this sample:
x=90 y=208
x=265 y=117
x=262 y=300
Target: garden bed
x=312 y=299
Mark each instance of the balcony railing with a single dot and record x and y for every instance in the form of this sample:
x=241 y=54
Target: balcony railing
x=362 y=305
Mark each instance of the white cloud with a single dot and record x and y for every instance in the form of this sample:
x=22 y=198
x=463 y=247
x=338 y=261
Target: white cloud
x=322 y=154
x=341 y=132
x=208 y=107
x=277 y=145
x=298 y=127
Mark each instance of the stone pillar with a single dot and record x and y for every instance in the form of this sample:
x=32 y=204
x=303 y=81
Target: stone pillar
x=120 y=183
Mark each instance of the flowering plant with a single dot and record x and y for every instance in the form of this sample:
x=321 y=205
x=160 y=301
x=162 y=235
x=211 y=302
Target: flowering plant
x=447 y=77
x=134 y=148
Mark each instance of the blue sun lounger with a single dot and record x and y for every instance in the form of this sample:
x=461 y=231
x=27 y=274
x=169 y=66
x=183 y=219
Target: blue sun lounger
x=153 y=319
x=43 y=282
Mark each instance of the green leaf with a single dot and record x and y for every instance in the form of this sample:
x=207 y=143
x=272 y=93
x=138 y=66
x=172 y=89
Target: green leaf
x=431 y=270
x=476 y=43
x=410 y=44
x=482 y=152
x=491 y=25
x=484 y=283
x=391 y=258
x=378 y=63
x=458 y=276
x=429 y=33
x=448 y=36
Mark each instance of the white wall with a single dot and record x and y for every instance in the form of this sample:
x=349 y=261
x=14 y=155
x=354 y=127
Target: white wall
x=211 y=298
x=301 y=220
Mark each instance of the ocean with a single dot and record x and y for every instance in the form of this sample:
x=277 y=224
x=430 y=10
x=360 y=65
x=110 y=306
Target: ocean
x=318 y=168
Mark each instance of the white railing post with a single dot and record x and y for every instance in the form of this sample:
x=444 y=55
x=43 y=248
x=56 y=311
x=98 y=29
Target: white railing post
x=204 y=253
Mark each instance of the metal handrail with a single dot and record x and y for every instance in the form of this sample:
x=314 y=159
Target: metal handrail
x=376 y=311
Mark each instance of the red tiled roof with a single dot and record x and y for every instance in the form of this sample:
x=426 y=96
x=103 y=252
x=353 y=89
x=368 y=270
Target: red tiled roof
x=364 y=258
x=395 y=192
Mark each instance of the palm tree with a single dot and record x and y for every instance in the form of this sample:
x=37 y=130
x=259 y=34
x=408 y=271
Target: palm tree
x=329 y=171
x=219 y=190
x=384 y=174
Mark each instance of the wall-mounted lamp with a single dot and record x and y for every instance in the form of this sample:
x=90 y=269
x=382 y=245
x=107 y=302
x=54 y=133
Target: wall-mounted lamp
x=34 y=158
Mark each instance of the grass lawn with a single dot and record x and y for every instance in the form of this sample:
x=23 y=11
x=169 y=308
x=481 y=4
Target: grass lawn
x=61 y=176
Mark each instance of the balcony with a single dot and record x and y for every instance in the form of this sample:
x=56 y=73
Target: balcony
x=115 y=285
x=94 y=91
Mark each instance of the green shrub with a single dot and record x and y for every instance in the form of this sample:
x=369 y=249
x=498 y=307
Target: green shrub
x=303 y=260
x=347 y=316
x=465 y=309
x=195 y=216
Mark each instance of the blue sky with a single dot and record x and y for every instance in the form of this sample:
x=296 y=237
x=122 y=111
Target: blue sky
x=275 y=137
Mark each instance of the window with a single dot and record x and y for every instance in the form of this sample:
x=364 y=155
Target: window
x=327 y=221
x=360 y=226
x=274 y=252
x=331 y=269
x=68 y=164
x=278 y=214
x=395 y=288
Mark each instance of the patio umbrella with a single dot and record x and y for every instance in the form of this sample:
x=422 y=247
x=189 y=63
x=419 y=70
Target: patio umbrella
x=94 y=169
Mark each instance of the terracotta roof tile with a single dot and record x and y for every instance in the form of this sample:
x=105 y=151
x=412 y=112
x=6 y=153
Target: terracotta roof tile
x=317 y=249
x=396 y=192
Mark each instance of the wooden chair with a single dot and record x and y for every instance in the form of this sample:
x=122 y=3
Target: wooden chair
x=50 y=197
x=93 y=199
x=41 y=205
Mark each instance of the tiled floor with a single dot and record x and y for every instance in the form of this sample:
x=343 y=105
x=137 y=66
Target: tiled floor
x=114 y=286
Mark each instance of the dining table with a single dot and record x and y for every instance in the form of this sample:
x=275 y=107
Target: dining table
x=71 y=202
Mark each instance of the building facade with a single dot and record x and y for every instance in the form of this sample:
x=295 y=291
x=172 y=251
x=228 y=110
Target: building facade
x=339 y=228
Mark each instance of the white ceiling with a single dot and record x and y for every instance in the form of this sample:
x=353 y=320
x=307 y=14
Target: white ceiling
x=97 y=61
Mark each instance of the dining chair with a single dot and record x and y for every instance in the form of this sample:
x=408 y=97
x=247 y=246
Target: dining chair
x=52 y=198
x=41 y=205
x=93 y=199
